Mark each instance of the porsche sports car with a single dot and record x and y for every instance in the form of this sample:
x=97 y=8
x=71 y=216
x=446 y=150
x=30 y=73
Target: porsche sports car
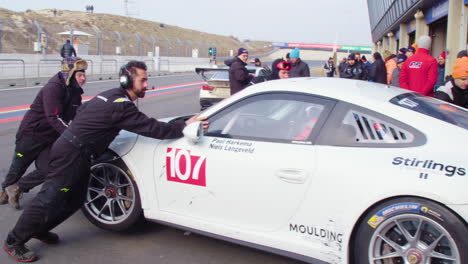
x=323 y=170
x=217 y=83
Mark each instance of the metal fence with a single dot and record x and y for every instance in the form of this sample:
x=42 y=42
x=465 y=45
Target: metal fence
x=49 y=38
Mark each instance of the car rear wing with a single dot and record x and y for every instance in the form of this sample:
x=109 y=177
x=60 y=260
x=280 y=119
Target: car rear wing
x=203 y=71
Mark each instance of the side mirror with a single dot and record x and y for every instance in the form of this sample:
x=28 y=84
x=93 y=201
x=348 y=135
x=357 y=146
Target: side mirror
x=193 y=132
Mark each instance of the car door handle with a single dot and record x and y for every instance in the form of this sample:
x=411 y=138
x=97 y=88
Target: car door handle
x=296 y=176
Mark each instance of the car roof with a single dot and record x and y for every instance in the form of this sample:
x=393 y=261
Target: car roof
x=353 y=91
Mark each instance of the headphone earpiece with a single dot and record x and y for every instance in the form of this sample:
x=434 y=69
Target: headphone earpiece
x=125 y=77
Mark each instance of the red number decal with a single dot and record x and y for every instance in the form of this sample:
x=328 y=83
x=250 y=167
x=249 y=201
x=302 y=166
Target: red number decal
x=185 y=168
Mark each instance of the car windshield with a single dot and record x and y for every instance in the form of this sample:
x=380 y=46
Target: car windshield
x=434 y=108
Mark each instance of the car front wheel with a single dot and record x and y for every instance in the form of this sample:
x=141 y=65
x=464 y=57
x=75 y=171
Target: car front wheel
x=112 y=199
x=411 y=231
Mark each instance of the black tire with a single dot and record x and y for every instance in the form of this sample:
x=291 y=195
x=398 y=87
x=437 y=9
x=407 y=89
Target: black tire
x=112 y=199
x=393 y=227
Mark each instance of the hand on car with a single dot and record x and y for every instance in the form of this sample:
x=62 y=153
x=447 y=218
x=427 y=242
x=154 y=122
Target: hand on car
x=196 y=118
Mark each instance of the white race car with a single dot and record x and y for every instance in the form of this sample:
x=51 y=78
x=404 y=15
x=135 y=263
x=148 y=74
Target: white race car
x=323 y=170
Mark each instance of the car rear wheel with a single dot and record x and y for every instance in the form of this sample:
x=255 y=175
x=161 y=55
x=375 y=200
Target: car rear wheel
x=411 y=231
x=112 y=199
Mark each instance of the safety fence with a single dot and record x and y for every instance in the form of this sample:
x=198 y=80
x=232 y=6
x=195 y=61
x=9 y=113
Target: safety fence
x=20 y=70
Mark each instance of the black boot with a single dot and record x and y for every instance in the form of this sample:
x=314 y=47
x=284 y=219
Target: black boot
x=3 y=197
x=48 y=238
x=18 y=251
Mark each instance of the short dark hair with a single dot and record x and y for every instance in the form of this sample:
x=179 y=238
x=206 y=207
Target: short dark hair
x=133 y=65
x=377 y=56
x=462 y=53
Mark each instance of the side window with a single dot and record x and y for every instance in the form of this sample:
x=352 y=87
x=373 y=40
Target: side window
x=279 y=117
x=355 y=126
x=370 y=129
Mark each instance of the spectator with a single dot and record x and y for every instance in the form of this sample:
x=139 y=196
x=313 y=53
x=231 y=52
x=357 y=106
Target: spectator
x=390 y=64
x=395 y=81
x=440 y=71
x=419 y=72
x=239 y=76
x=342 y=66
x=456 y=90
x=410 y=51
x=361 y=64
x=258 y=63
x=274 y=69
x=402 y=51
x=330 y=67
x=299 y=68
x=367 y=64
x=67 y=50
x=462 y=53
x=353 y=70
x=284 y=67
x=378 y=72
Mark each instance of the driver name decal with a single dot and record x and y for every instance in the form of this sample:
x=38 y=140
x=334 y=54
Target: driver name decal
x=232 y=145
x=183 y=167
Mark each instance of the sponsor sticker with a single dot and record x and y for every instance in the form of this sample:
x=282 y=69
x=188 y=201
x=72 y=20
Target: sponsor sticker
x=389 y=211
x=317 y=232
x=429 y=165
x=427 y=210
x=415 y=64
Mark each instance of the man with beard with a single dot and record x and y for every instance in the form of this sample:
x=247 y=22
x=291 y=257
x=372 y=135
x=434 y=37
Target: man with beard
x=95 y=126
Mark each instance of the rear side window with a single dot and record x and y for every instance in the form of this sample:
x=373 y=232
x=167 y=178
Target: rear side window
x=434 y=108
x=354 y=126
x=370 y=129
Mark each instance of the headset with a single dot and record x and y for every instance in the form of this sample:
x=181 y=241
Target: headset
x=125 y=77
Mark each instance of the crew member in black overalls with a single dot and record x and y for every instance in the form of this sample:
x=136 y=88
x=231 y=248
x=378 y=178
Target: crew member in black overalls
x=53 y=108
x=96 y=124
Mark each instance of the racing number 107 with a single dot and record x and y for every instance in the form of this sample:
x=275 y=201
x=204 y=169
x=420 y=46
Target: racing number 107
x=185 y=168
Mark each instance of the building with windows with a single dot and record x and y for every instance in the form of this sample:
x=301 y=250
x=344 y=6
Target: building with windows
x=398 y=24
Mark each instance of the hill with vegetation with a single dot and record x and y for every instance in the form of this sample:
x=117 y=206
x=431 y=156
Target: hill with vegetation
x=135 y=36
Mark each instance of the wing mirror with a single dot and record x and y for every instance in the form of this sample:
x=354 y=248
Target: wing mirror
x=193 y=132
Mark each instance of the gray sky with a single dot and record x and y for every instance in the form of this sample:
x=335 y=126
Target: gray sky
x=307 y=21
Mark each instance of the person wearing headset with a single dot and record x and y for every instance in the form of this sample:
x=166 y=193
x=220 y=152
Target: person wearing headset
x=284 y=67
x=94 y=127
x=49 y=115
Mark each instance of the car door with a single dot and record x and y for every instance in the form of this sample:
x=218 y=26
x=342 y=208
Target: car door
x=252 y=167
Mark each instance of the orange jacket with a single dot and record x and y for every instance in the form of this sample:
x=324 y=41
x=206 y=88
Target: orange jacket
x=391 y=66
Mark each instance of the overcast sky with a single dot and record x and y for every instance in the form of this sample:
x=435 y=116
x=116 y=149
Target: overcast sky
x=308 y=21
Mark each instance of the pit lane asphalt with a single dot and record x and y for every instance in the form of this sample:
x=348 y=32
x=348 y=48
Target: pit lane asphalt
x=82 y=242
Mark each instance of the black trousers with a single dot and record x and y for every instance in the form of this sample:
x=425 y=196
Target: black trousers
x=28 y=150
x=62 y=193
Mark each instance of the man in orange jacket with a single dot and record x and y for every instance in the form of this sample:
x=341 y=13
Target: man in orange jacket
x=419 y=72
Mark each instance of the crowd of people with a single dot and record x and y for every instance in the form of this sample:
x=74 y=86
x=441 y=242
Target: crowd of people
x=413 y=68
